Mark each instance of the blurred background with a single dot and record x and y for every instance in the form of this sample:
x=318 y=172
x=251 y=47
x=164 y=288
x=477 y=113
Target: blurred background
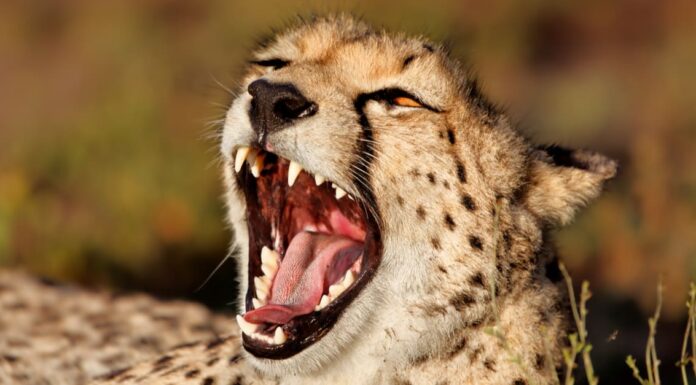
x=108 y=160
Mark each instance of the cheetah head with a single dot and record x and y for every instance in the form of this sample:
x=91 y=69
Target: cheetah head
x=368 y=185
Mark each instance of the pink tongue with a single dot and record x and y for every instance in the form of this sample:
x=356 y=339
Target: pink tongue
x=310 y=260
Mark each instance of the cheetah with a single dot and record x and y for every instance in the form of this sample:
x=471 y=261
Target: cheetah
x=391 y=225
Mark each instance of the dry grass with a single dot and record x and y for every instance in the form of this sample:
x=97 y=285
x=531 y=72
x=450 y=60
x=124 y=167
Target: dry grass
x=579 y=344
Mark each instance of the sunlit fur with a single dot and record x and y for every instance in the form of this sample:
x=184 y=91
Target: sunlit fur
x=464 y=202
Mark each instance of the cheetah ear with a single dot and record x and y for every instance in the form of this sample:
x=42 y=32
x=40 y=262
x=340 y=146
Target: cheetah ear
x=561 y=181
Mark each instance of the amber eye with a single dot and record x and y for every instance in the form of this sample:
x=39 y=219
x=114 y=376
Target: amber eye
x=404 y=101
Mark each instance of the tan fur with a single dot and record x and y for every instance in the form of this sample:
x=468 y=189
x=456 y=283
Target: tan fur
x=465 y=292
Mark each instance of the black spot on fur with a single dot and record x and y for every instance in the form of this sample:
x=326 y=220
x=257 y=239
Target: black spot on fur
x=475 y=242
x=450 y=136
x=468 y=202
x=212 y=361
x=435 y=241
x=115 y=373
x=431 y=177
x=450 y=222
x=237 y=381
x=489 y=364
x=477 y=280
x=407 y=61
x=208 y=381
x=162 y=363
x=400 y=200
x=446 y=184
x=193 y=373
x=461 y=345
x=429 y=48
x=519 y=381
x=215 y=343
x=235 y=359
x=420 y=211
x=474 y=354
x=539 y=361
x=415 y=172
x=186 y=345
x=462 y=299
x=461 y=171
x=163 y=359
x=9 y=358
x=442 y=269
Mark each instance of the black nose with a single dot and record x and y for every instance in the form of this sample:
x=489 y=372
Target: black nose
x=275 y=106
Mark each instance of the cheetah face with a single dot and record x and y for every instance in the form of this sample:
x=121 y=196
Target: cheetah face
x=300 y=141
x=361 y=170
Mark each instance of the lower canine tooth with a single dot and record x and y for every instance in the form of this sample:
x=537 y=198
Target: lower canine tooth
x=279 y=336
x=336 y=289
x=348 y=279
x=240 y=158
x=323 y=302
x=247 y=327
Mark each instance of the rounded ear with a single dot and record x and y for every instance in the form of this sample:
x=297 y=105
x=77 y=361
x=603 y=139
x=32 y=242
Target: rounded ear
x=561 y=181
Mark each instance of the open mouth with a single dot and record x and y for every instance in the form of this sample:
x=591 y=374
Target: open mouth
x=312 y=248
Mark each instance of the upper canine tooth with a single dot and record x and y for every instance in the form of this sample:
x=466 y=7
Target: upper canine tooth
x=279 y=336
x=240 y=158
x=293 y=171
x=247 y=327
x=340 y=193
x=257 y=166
x=319 y=179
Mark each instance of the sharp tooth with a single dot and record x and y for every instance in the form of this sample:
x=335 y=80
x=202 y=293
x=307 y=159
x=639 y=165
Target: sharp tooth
x=240 y=158
x=257 y=165
x=351 y=197
x=340 y=193
x=261 y=294
x=335 y=290
x=261 y=337
x=325 y=300
x=348 y=279
x=257 y=303
x=262 y=283
x=247 y=327
x=269 y=270
x=279 y=336
x=261 y=291
x=319 y=179
x=251 y=158
x=270 y=257
x=293 y=171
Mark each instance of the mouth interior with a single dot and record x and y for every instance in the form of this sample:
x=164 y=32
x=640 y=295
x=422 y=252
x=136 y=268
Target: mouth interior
x=307 y=252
